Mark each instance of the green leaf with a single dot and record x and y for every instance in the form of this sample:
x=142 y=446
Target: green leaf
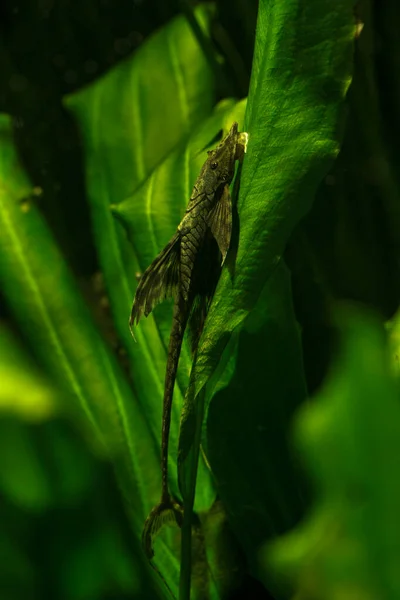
x=23 y=477
x=150 y=217
x=349 y=436
x=32 y=434
x=166 y=193
x=46 y=304
x=24 y=392
x=302 y=69
x=132 y=120
x=132 y=117
x=255 y=472
x=25 y=395
x=91 y=570
x=245 y=437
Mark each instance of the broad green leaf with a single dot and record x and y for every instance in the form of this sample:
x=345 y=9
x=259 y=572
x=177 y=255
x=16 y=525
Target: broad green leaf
x=131 y=119
x=245 y=437
x=151 y=216
x=349 y=436
x=23 y=477
x=90 y=570
x=301 y=72
x=32 y=434
x=24 y=395
x=133 y=116
x=24 y=392
x=248 y=419
x=46 y=304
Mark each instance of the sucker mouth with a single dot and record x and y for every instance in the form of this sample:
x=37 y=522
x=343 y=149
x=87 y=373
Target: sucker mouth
x=241 y=145
x=234 y=128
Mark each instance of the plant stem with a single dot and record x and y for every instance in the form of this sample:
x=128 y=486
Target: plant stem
x=188 y=501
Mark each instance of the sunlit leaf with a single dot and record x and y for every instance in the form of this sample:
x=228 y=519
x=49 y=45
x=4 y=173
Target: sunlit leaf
x=151 y=216
x=33 y=426
x=131 y=120
x=23 y=391
x=136 y=122
x=56 y=323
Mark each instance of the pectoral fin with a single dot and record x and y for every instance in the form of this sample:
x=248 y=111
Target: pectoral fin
x=220 y=222
x=158 y=282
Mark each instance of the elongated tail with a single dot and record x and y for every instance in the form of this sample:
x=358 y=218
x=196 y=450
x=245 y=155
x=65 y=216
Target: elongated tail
x=179 y=320
x=168 y=511
x=161 y=281
x=158 y=282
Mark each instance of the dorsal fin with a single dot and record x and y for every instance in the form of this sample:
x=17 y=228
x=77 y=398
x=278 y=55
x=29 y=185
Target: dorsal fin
x=220 y=221
x=158 y=282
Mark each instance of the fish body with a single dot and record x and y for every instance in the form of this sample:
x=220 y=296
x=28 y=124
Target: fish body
x=187 y=269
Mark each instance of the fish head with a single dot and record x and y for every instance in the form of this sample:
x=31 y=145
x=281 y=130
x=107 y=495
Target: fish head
x=220 y=164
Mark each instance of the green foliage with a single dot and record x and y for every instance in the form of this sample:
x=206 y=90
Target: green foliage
x=349 y=545
x=293 y=131
x=72 y=400
x=131 y=146
x=47 y=476
x=58 y=325
x=23 y=393
x=24 y=396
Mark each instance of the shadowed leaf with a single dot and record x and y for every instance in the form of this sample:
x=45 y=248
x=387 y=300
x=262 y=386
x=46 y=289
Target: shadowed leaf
x=348 y=547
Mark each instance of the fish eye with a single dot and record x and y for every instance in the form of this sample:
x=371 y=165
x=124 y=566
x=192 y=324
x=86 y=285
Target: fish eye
x=214 y=165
